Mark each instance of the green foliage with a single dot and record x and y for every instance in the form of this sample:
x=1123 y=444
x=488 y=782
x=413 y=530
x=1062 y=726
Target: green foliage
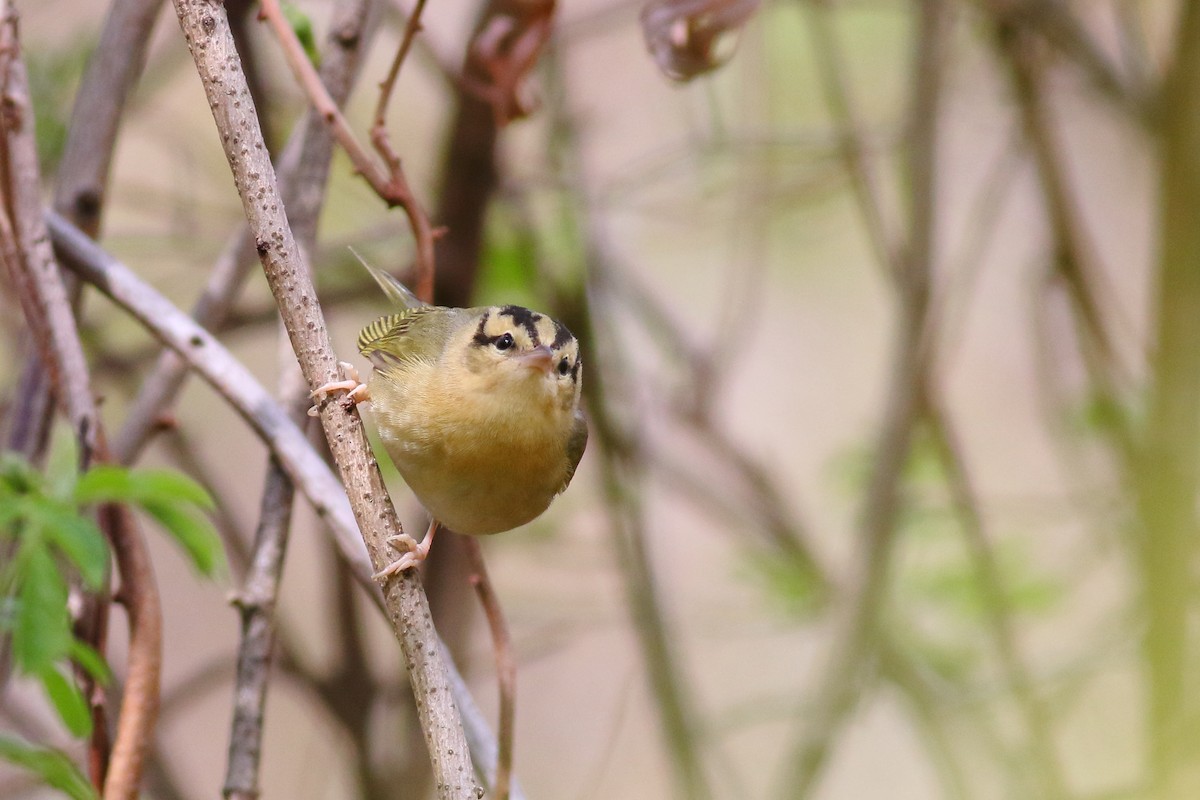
x=47 y=536
x=303 y=28
x=53 y=76
x=168 y=497
x=940 y=606
x=510 y=256
x=786 y=583
x=53 y=767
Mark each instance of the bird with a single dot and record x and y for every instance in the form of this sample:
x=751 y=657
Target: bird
x=478 y=408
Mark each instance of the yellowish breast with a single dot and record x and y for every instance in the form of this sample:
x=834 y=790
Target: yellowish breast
x=479 y=463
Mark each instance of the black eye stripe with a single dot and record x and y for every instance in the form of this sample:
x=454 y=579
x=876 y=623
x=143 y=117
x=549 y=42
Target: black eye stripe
x=526 y=319
x=481 y=338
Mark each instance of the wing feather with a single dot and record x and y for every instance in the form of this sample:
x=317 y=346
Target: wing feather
x=576 y=444
x=416 y=334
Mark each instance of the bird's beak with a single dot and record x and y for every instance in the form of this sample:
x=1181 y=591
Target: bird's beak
x=541 y=357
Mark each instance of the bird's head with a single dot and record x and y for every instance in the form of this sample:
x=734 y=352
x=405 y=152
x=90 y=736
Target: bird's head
x=531 y=357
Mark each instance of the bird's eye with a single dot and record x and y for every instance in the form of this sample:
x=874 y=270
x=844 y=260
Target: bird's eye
x=504 y=342
x=564 y=366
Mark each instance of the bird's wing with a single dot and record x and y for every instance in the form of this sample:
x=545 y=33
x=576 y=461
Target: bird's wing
x=576 y=444
x=417 y=334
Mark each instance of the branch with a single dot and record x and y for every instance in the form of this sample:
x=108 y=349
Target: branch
x=506 y=666
x=623 y=463
x=256 y=603
x=858 y=623
x=1040 y=753
x=855 y=152
x=1168 y=466
x=112 y=72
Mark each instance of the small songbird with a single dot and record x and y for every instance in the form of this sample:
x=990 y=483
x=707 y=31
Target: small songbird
x=477 y=407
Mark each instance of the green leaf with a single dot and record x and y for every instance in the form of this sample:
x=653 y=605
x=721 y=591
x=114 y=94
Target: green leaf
x=78 y=538
x=42 y=633
x=303 y=28
x=53 y=767
x=12 y=510
x=108 y=483
x=62 y=463
x=68 y=701
x=17 y=476
x=785 y=583
x=91 y=661
x=197 y=537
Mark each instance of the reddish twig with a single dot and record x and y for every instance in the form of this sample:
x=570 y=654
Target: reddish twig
x=422 y=228
x=390 y=184
x=389 y=83
x=506 y=665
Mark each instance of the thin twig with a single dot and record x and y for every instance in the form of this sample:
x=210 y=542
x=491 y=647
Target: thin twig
x=256 y=603
x=389 y=83
x=423 y=231
x=929 y=717
x=855 y=150
x=1041 y=753
x=858 y=623
x=506 y=666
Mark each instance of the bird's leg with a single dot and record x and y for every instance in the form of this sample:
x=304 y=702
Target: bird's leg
x=417 y=552
x=356 y=390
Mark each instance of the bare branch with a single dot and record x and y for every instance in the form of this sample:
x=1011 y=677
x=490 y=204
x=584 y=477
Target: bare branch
x=506 y=666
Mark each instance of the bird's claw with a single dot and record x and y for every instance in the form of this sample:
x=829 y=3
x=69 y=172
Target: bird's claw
x=356 y=390
x=417 y=552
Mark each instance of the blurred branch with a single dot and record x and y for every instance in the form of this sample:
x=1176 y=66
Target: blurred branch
x=1075 y=261
x=1041 y=752
x=833 y=74
x=857 y=624
x=468 y=181
x=895 y=666
x=1057 y=24
x=1169 y=464
x=112 y=72
x=623 y=460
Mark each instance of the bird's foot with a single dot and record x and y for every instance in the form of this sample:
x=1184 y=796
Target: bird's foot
x=417 y=552
x=356 y=391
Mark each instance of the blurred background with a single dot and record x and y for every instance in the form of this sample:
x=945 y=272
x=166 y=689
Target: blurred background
x=891 y=326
